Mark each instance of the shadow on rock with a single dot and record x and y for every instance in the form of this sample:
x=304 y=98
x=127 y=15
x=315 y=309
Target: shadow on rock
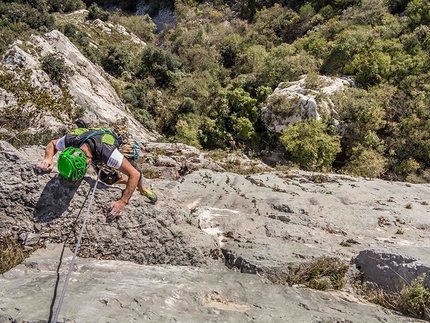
x=55 y=199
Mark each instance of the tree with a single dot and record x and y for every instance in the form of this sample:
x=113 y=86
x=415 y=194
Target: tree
x=366 y=162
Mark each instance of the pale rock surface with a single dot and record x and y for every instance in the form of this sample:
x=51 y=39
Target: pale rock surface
x=115 y=291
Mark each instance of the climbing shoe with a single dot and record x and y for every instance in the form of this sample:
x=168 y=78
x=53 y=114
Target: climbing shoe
x=150 y=195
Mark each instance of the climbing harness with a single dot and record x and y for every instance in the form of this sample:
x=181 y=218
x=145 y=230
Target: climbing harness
x=63 y=293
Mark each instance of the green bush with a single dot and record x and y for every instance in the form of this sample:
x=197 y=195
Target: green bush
x=365 y=162
x=145 y=118
x=8 y=33
x=116 y=60
x=66 y=5
x=244 y=130
x=31 y=104
x=163 y=66
x=415 y=299
x=310 y=146
x=94 y=12
x=82 y=41
x=142 y=26
x=55 y=66
x=284 y=63
x=186 y=131
x=362 y=114
x=34 y=17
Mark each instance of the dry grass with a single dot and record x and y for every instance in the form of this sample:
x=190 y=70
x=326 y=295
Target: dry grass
x=322 y=274
x=413 y=300
x=11 y=253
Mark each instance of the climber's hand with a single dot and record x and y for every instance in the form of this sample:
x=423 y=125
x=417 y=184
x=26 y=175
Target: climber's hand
x=116 y=210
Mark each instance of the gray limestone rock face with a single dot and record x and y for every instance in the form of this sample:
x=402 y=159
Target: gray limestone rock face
x=146 y=233
x=117 y=291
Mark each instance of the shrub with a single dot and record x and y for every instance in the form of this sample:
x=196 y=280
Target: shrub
x=285 y=64
x=309 y=145
x=11 y=253
x=30 y=105
x=66 y=5
x=243 y=104
x=55 y=67
x=244 y=129
x=370 y=66
x=116 y=61
x=365 y=162
x=162 y=65
x=408 y=166
x=94 y=12
x=413 y=299
x=145 y=118
x=142 y=25
x=186 y=131
x=8 y=33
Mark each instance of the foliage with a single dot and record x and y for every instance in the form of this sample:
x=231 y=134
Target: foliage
x=142 y=26
x=159 y=64
x=186 y=130
x=116 y=60
x=82 y=41
x=55 y=66
x=66 y=5
x=95 y=12
x=362 y=114
x=365 y=162
x=413 y=299
x=25 y=105
x=204 y=79
x=21 y=18
x=135 y=95
x=309 y=145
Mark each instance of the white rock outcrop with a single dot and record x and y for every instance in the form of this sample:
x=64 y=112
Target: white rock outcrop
x=292 y=101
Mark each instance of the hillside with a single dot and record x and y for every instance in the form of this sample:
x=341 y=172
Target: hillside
x=204 y=77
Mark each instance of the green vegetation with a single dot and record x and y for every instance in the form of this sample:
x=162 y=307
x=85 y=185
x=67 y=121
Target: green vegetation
x=310 y=145
x=55 y=67
x=204 y=79
x=413 y=299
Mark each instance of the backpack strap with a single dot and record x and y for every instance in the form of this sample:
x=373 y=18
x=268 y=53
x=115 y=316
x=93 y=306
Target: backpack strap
x=82 y=138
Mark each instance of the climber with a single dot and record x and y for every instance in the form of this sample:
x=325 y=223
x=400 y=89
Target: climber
x=100 y=148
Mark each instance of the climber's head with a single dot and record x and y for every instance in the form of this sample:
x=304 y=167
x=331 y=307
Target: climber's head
x=72 y=163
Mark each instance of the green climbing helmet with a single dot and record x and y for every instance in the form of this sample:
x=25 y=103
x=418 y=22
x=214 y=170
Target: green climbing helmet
x=72 y=163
